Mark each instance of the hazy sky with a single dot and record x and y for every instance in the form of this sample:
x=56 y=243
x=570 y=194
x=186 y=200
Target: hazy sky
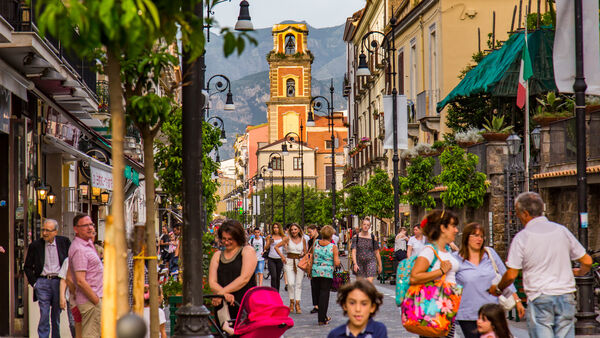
x=266 y=13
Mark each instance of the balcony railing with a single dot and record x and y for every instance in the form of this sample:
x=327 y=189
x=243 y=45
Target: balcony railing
x=21 y=16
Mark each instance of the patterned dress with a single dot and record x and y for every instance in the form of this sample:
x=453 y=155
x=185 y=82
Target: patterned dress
x=365 y=256
x=323 y=261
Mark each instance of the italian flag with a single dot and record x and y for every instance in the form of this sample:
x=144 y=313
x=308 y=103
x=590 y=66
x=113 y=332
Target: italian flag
x=524 y=74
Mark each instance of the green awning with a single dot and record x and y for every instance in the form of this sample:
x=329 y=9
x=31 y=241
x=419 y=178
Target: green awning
x=498 y=73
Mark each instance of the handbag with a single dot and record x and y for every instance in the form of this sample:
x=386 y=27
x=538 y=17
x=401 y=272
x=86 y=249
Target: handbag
x=430 y=309
x=340 y=277
x=305 y=263
x=508 y=303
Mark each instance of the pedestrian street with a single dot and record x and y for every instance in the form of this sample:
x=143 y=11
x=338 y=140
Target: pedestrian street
x=305 y=324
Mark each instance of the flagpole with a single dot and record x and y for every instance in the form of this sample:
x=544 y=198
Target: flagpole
x=526 y=131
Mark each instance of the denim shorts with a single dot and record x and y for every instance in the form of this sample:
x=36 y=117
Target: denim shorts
x=260 y=267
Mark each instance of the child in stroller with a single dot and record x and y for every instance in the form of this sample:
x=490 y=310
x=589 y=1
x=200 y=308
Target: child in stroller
x=262 y=314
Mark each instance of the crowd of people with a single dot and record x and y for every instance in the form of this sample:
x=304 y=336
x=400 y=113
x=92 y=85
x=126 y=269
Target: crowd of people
x=68 y=275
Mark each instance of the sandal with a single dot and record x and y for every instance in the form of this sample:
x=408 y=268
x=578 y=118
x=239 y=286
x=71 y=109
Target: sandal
x=326 y=321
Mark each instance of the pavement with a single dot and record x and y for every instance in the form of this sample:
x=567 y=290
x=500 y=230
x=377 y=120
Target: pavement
x=306 y=324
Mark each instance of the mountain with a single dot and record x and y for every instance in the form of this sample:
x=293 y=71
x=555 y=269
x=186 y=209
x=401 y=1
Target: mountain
x=326 y=44
x=249 y=77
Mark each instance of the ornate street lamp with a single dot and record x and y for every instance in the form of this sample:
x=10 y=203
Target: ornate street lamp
x=389 y=57
x=289 y=137
x=223 y=84
x=218 y=123
x=317 y=104
x=244 y=23
x=536 y=138
x=104 y=197
x=42 y=191
x=51 y=198
x=514 y=144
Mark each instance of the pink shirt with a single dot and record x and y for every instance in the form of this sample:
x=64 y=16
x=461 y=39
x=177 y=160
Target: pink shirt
x=84 y=257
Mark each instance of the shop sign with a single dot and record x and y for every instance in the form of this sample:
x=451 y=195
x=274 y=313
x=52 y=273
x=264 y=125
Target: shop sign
x=59 y=127
x=101 y=178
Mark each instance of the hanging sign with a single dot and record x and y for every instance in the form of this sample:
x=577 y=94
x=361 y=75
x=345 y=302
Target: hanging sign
x=101 y=178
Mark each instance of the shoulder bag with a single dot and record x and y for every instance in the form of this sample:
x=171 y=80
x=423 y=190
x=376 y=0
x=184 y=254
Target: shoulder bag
x=430 y=309
x=305 y=263
x=508 y=303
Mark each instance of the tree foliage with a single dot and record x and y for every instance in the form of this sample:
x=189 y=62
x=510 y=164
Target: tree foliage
x=356 y=201
x=380 y=195
x=169 y=162
x=465 y=185
x=317 y=205
x=419 y=181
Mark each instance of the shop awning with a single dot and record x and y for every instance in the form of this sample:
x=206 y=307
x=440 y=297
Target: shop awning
x=101 y=172
x=498 y=73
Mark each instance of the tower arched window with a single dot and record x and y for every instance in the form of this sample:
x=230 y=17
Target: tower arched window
x=290 y=88
x=290 y=44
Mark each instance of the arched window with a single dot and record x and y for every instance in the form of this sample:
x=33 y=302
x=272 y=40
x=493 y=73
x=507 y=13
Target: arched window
x=290 y=88
x=290 y=44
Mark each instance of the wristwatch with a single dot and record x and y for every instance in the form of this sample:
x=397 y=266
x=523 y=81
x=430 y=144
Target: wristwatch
x=498 y=291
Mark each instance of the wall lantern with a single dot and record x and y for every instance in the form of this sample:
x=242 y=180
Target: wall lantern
x=84 y=189
x=104 y=197
x=51 y=198
x=42 y=191
x=536 y=137
x=514 y=144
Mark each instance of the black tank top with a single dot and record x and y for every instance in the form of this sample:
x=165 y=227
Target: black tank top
x=228 y=271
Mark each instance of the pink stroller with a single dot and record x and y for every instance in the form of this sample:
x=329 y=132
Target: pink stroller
x=262 y=314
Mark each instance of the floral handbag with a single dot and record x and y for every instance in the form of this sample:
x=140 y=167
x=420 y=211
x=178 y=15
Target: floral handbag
x=430 y=309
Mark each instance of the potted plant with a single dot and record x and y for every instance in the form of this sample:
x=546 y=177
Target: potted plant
x=496 y=130
x=376 y=114
x=365 y=141
x=553 y=108
x=468 y=138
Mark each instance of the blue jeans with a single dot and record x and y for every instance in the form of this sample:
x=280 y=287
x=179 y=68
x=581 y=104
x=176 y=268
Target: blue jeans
x=551 y=316
x=48 y=294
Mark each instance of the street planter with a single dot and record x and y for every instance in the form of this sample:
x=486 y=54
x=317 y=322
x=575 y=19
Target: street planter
x=491 y=137
x=466 y=144
x=545 y=120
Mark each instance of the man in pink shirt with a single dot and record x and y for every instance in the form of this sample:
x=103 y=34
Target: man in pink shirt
x=87 y=270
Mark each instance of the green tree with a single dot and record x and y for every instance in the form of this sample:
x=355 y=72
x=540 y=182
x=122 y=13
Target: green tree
x=115 y=30
x=357 y=199
x=419 y=181
x=169 y=162
x=380 y=195
x=465 y=185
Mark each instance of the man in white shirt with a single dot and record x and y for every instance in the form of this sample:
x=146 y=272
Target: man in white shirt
x=544 y=251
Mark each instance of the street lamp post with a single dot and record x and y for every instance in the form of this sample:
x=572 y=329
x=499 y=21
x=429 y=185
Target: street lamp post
x=290 y=137
x=223 y=84
x=316 y=104
x=271 y=157
x=192 y=315
x=363 y=70
x=586 y=316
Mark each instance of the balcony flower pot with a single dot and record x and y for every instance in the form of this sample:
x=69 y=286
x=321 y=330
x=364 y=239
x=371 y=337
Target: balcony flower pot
x=491 y=137
x=544 y=120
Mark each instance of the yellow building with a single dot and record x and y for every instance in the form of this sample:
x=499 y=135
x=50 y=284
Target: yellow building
x=434 y=41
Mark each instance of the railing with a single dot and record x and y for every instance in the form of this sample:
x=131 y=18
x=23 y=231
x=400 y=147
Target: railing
x=563 y=142
x=21 y=17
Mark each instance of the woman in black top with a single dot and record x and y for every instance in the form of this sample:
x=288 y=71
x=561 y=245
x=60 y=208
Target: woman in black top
x=231 y=271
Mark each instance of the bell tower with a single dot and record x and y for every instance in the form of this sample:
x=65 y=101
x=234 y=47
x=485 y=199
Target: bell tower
x=289 y=80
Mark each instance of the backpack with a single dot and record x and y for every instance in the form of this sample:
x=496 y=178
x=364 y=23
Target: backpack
x=253 y=238
x=403 y=275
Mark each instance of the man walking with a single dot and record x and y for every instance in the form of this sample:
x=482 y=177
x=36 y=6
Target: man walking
x=44 y=258
x=88 y=271
x=544 y=251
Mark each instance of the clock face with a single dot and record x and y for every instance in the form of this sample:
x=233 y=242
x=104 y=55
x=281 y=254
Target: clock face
x=84 y=166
